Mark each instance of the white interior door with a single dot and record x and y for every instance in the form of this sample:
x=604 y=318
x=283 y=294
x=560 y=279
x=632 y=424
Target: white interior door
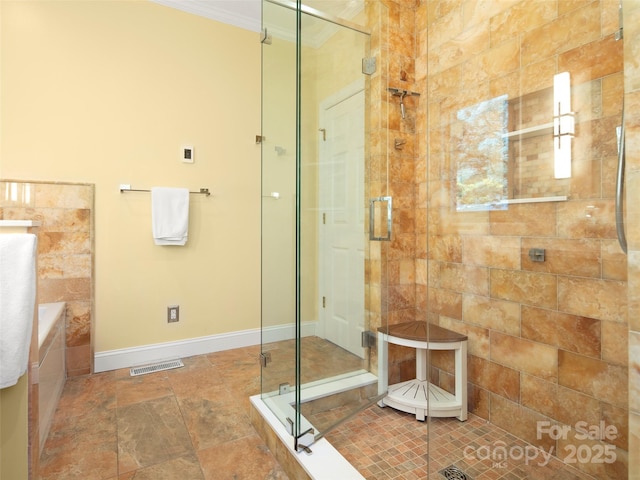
x=342 y=219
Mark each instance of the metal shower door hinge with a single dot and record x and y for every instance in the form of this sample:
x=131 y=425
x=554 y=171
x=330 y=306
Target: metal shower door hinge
x=284 y=388
x=265 y=358
x=368 y=339
x=308 y=437
x=620 y=32
x=369 y=65
x=265 y=37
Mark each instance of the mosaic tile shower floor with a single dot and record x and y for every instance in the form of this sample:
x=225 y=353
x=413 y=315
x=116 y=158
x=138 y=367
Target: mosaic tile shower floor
x=192 y=423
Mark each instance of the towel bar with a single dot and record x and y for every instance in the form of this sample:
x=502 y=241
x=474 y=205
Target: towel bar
x=127 y=188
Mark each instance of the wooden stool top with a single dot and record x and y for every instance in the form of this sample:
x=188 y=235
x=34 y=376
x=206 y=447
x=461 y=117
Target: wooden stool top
x=418 y=331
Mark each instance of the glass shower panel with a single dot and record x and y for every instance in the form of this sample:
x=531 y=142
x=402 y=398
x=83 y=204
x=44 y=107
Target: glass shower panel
x=335 y=356
x=522 y=255
x=279 y=169
x=318 y=347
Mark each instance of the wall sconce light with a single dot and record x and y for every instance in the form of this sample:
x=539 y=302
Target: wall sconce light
x=563 y=125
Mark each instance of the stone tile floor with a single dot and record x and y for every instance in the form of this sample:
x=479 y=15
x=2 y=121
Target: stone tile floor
x=192 y=423
x=382 y=443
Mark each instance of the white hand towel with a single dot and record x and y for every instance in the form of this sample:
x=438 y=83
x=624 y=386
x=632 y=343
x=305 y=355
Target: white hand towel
x=17 y=303
x=170 y=215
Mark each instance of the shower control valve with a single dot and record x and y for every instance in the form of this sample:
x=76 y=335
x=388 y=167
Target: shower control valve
x=536 y=254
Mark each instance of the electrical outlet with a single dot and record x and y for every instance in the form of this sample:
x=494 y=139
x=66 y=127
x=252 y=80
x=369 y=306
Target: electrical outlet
x=173 y=313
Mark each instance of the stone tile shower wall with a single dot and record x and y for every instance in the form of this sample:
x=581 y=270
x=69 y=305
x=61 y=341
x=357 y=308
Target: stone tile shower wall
x=65 y=254
x=632 y=122
x=390 y=272
x=547 y=340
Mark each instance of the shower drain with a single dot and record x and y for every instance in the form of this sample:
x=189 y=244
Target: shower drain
x=454 y=473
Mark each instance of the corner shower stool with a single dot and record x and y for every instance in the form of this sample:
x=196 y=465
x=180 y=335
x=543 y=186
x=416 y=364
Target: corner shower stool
x=411 y=396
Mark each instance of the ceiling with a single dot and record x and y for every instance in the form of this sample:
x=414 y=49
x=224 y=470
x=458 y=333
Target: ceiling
x=247 y=14
x=240 y=13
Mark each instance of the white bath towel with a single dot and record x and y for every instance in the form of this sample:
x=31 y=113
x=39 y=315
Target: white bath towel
x=170 y=215
x=17 y=303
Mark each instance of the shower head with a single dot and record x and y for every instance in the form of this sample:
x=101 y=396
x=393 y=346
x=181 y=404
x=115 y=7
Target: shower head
x=397 y=92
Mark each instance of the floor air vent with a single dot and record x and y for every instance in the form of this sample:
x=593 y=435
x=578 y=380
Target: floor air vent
x=454 y=473
x=156 y=367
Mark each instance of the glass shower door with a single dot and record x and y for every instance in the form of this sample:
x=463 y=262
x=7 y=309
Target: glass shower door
x=521 y=176
x=336 y=377
x=318 y=341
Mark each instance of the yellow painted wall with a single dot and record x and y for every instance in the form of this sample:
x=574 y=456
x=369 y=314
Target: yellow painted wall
x=1 y=430
x=14 y=432
x=279 y=175
x=106 y=93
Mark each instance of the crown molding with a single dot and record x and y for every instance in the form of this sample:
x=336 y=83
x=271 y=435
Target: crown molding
x=247 y=14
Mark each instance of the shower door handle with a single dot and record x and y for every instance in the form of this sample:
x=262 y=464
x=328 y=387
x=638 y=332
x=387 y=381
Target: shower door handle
x=372 y=218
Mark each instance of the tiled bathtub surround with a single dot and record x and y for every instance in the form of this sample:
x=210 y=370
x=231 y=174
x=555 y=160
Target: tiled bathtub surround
x=65 y=254
x=547 y=340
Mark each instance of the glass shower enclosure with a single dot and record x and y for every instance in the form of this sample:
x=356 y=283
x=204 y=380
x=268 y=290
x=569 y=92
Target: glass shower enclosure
x=502 y=168
x=320 y=298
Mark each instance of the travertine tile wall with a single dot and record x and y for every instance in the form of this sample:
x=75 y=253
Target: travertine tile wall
x=547 y=341
x=65 y=254
x=391 y=266
x=632 y=125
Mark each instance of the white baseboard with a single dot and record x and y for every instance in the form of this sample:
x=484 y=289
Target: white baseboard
x=145 y=354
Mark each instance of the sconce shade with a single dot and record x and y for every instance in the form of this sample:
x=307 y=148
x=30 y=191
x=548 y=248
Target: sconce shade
x=563 y=125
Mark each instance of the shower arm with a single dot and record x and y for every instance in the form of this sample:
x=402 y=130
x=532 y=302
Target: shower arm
x=620 y=187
